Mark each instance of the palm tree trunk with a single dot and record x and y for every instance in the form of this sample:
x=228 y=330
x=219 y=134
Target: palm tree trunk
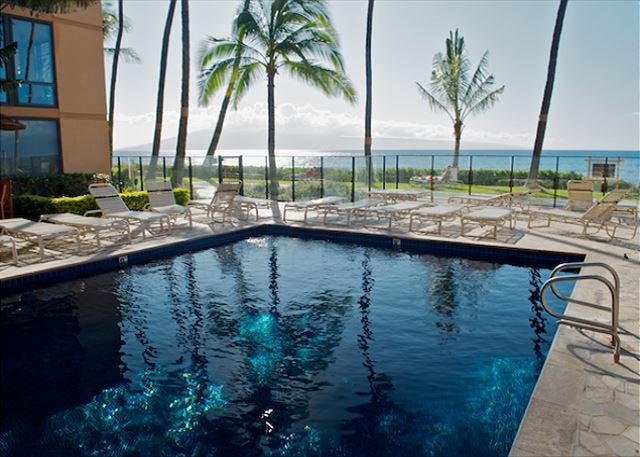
x=164 y=53
x=28 y=65
x=178 y=166
x=217 y=133
x=546 y=99
x=457 y=133
x=367 y=114
x=114 y=75
x=227 y=98
x=271 y=142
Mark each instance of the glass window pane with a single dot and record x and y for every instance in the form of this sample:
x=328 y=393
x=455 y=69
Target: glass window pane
x=36 y=65
x=3 y=70
x=36 y=94
x=32 y=151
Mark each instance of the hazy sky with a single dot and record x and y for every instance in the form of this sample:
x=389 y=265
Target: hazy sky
x=595 y=101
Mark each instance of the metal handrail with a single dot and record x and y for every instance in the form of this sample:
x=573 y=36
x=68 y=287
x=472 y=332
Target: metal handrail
x=586 y=324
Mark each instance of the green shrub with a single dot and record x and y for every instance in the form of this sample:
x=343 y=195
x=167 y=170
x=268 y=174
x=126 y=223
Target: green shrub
x=33 y=206
x=58 y=185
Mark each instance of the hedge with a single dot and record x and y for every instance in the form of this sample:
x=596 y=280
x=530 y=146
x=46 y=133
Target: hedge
x=33 y=206
x=58 y=185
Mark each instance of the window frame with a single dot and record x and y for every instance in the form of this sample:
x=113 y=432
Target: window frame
x=13 y=98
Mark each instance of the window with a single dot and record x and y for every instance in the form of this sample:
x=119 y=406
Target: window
x=33 y=63
x=34 y=150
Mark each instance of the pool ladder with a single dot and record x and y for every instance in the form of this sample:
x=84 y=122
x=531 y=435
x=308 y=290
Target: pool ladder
x=586 y=324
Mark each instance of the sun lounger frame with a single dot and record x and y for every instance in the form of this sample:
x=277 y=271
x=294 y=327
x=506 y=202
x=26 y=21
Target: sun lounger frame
x=28 y=231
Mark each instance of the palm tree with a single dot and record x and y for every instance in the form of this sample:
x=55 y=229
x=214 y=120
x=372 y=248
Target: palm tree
x=164 y=53
x=546 y=98
x=367 y=109
x=212 y=77
x=451 y=90
x=48 y=6
x=109 y=29
x=114 y=74
x=294 y=35
x=178 y=165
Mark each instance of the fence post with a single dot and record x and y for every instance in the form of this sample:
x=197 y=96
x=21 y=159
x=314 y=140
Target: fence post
x=321 y=176
x=470 y=173
x=190 y=179
x=293 y=178
x=353 y=178
x=140 y=170
x=397 y=170
x=119 y=175
x=432 y=173
x=241 y=175
x=511 y=176
x=384 y=172
x=555 y=181
x=605 y=175
x=266 y=178
x=164 y=169
x=369 y=173
x=220 y=175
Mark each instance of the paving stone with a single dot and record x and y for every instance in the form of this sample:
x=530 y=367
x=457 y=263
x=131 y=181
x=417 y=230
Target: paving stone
x=607 y=425
x=628 y=400
x=623 y=447
x=581 y=452
x=599 y=395
x=633 y=433
x=632 y=387
x=594 y=443
x=613 y=383
x=585 y=420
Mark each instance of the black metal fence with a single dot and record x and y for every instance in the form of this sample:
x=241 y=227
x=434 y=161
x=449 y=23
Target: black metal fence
x=305 y=177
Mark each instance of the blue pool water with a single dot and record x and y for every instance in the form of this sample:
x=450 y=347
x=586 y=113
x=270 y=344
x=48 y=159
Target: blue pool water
x=275 y=346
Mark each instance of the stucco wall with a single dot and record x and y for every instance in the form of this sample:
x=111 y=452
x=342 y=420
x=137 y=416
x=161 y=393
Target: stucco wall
x=80 y=86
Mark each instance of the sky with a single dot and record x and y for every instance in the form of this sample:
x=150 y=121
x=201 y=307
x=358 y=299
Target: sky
x=595 y=104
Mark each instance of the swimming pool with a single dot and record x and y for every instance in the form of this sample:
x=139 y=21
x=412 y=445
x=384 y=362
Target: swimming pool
x=275 y=346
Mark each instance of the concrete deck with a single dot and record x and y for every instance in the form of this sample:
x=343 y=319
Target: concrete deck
x=583 y=403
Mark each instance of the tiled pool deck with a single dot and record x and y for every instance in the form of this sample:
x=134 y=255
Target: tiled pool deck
x=583 y=403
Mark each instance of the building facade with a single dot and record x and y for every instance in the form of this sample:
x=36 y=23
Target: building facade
x=61 y=102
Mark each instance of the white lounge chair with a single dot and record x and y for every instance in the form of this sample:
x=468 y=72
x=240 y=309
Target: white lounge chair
x=350 y=209
x=94 y=225
x=221 y=203
x=162 y=200
x=488 y=216
x=249 y=204
x=508 y=199
x=112 y=206
x=39 y=233
x=437 y=214
x=393 y=212
x=310 y=205
x=9 y=241
x=579 y=195
x=606 y=213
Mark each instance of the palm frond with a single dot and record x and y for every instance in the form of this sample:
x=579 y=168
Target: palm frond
x=331 y=82
x=213 y=78
x=485 y=103
x=7 y=52
x=50 y=6
x=128 y=55
x=433 y=101
x=247 y=75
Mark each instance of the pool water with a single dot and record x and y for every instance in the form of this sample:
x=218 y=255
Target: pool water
x=275 y=346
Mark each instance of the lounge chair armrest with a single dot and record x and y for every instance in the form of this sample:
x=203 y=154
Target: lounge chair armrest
x=92 y=212
x=147 y=207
